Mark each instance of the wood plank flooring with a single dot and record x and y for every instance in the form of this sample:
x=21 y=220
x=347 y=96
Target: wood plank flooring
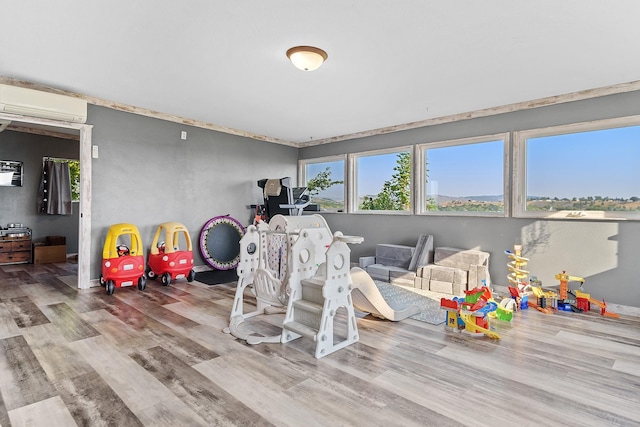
x=159 y=358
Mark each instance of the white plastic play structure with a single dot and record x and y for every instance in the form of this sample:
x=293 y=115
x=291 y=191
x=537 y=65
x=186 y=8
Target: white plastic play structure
x=367 y=298
x=297 y=262
x=296 y=266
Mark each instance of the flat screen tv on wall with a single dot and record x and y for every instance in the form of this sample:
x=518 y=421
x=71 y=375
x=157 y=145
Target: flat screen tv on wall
x=10 y=173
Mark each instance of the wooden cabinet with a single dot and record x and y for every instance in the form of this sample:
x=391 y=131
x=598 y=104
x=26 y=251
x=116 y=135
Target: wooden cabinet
x=15 y=249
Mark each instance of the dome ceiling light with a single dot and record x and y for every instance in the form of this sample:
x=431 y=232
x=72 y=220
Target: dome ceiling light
x=306 y=58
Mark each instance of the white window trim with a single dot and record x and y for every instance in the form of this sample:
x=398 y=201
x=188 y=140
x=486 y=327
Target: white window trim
x=420 y=174
x=520 y=170
x=302 y=163
x=353 y=179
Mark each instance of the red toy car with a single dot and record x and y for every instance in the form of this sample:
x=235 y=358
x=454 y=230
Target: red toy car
x=122 y=264
x=166 y=260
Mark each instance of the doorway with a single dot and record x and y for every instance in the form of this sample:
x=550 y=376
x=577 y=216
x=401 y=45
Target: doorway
x=83 y=132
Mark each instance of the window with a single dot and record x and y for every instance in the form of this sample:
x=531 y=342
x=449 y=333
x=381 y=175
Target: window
x=381 y=181
x=586 y=170
x=74 y=174
x=324 y=177
x=463 y=177
x=74 y=171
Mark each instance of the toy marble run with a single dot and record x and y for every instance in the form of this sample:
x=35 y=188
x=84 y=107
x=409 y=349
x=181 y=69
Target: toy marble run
x=517 y=273
x=564 y=279
x=547 y=300
x=583 y=300
x=470 y=314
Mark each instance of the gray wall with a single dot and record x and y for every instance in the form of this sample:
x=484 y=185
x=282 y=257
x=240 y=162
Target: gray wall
x=146 y=175
x=19 y=204
x=605 y=253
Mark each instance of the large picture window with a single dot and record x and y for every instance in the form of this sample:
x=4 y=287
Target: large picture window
x=584 y=171
x=382 y=181
x=324 y=177
x=464 y=177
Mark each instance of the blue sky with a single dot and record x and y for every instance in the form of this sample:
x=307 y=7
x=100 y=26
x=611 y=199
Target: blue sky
x=337 y=174
x=373 y=171
x=466 y=170
x=585 y=165
x=581 y=162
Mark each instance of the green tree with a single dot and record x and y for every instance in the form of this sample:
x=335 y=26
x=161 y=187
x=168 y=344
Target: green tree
x=321 y=182
x=74 y=171
x=396 y=192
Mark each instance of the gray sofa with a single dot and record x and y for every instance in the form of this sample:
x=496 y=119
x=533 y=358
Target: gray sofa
x=454 y=270
x=445 y=270
x=398 y=264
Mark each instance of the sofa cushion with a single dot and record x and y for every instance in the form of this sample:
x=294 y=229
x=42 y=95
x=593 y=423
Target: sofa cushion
x=479 y=275
x=378 y=271
x=421 y=283
x=402 y=274
x=424 y=272
x=394 y=255
x=366 y=261
x=389 y=272
x=460 y=258
x=444 y=274
x=442 y=287
x=423 y=254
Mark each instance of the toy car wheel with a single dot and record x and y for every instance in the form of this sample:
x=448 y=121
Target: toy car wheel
x=110 y=287
x=191 y=276
x=165 y=279
x=102 y=281
x=151 y=275
x=142 y=283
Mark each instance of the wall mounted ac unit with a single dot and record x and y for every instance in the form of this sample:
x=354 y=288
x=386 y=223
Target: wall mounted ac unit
x=35 y=103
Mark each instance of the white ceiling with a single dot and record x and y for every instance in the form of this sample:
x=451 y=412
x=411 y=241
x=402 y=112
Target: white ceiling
x=390 y=62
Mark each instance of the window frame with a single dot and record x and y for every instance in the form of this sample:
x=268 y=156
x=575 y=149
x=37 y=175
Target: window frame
x=353 y=179
x=520 y=169
x=302 y=178
x=420 y=173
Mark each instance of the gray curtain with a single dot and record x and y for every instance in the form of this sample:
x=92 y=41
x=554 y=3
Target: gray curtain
x=54 y=197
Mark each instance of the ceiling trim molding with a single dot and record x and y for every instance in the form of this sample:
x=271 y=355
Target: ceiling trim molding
x=147 y=112
x=519 y=106
x=45 y=132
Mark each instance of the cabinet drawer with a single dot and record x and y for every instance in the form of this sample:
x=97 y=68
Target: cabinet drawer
x=9 y=257
x=5 y=246
x=21 y=245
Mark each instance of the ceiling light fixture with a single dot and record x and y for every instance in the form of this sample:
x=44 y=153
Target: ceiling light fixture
x=307 y=58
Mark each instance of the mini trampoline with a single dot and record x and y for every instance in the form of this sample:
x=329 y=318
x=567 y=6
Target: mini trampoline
x=220 y=242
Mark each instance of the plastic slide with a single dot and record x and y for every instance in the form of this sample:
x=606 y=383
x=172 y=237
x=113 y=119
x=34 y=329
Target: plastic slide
x=367 y=299
x=470 y=325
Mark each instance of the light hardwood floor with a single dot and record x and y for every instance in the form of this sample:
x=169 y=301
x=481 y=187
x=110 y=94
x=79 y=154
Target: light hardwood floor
x=159 y=358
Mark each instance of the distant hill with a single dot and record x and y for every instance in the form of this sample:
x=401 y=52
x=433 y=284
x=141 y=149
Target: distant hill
x=440 y=198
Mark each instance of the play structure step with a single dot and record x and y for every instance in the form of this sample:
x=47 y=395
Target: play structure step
x=308 y=306
x=314 y=281
x=312 y=290
x=301 y=329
